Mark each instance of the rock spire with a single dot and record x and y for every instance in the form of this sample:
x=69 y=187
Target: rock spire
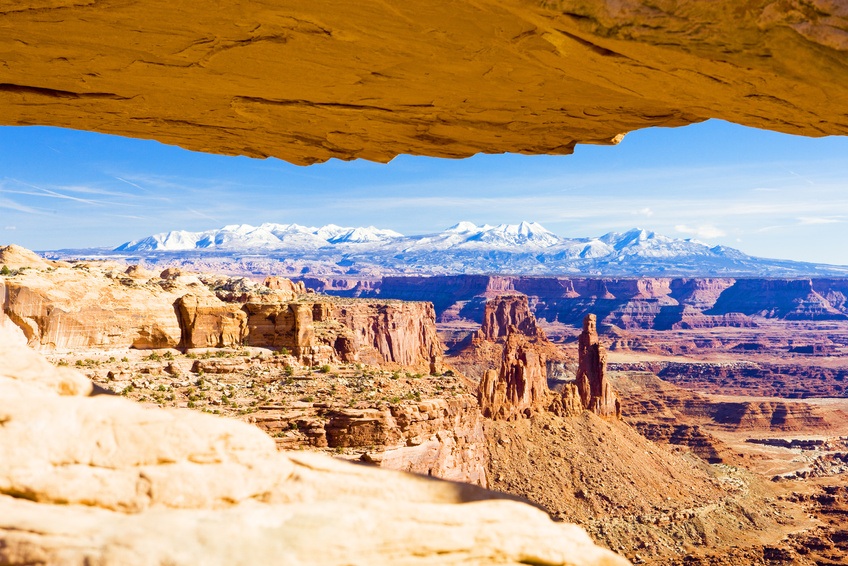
x=595 y=392
x=520 y=386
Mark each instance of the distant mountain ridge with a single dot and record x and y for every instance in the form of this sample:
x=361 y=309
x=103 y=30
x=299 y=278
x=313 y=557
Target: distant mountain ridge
x=526 y=248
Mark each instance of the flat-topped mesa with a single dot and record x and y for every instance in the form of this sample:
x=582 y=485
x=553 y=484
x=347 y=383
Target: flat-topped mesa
x=506 y=311
x=594 y=390
x=520 y=386
x=104 y=306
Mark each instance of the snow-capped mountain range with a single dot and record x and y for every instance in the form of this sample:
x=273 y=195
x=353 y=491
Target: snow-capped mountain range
x=526 y=248
x=287 y=236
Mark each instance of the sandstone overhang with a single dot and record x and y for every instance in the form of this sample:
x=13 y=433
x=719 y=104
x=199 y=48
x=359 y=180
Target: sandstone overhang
x=307 y=81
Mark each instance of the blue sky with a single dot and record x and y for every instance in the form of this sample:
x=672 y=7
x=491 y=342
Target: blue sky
x=768 y=194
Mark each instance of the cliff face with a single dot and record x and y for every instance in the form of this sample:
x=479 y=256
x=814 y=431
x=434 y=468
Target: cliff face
x=595 y=391
x=281 y=325
x=208 y=322
x=78 y=308
x=520 y=386
x=648 y=399
x=397 y=332
x=451 y=80
x=787 y=300
x=764 y=379
x=648 y=303
x=508 y=311
x=106 y=307
x=438 y=437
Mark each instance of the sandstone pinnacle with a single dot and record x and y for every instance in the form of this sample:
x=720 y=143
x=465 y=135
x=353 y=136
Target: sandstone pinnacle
x=594 y=389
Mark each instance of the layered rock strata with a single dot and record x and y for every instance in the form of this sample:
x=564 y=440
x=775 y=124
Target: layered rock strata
x=792 y=381
x=648 y=399
x=108 y=306
x=450 y=80
x=511 y=353
x=208 y=322
x=506 y=311
x=520 y=386
x=503 y=315
x=638 y=303
x=101 y=479
x=595 y=391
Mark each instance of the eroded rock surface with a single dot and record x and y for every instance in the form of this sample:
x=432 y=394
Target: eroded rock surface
x=506 y=311
x=307 y=82
x=520 y=386
x=629 y=303
x=103 y=306
x=508 y=356
x=595 y=391
x=101 y=479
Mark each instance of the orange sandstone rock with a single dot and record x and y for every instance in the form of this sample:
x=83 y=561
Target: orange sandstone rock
x=520 y=387
x=307 y=82
x=101 y=479
x=595 y=391
x=208 y=322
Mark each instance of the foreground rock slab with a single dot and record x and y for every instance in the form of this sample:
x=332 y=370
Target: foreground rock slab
x=98 y=479
x=309 y=81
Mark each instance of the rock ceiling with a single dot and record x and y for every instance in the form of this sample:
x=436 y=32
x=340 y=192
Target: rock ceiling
x=307 y=81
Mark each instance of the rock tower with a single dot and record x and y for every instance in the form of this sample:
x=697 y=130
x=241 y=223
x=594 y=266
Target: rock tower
x=595 y=392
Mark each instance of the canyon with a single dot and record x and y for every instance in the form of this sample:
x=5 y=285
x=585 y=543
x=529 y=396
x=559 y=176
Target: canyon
x=99 y=478
x=90 y=477
x=506 y=407
x=628 y=303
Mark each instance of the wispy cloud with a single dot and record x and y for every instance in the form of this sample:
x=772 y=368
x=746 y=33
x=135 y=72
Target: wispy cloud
x=813 y=220
x=708 y=232
x=37 y=191
x=203 y=215
x=130 y=183
x=12 y=205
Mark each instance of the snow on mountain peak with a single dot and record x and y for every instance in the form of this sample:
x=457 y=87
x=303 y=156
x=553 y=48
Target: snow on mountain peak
x=526 y=247
x=511 y=235
x=361 y=235
x=463 y=227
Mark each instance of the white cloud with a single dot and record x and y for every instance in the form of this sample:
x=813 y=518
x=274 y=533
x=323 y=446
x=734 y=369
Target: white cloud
x=707 y=231
x=644 y=212
x=810 y=220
